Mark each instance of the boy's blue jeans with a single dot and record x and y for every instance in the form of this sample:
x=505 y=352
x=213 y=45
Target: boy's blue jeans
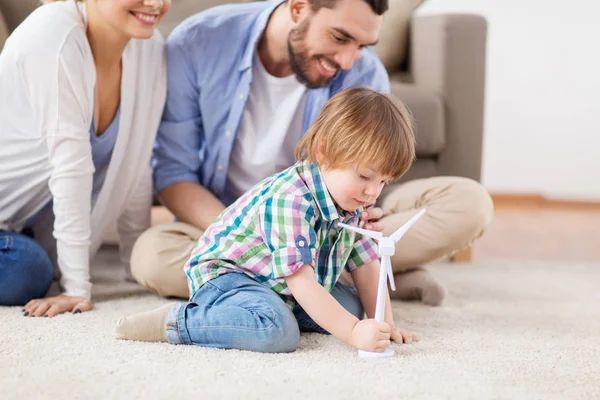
x=25 y=269
x=234 y=311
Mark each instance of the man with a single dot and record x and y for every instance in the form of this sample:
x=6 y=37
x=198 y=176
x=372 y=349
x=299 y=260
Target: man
x=245 y=82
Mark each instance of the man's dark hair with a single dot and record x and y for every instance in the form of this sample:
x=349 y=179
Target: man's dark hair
x=378 y=6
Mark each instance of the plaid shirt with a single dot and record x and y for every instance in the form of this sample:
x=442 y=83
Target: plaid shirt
x=282 y=223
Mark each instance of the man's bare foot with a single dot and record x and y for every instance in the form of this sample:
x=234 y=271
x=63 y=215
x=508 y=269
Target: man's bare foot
x=418 y=284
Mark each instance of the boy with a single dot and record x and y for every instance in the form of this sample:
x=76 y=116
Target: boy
x=267 y=268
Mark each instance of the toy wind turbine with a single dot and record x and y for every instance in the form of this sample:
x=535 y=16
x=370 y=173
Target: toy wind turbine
x=387 y=248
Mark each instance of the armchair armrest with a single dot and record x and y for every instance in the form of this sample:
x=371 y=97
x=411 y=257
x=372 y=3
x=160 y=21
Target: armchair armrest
x=3 y=31
x=15 y=11
x=448 y=56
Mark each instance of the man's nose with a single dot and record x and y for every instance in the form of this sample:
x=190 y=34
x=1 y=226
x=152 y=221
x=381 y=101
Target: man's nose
x=347 y=57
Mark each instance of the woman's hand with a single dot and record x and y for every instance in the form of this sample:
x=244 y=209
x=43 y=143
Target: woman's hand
x=51 y=306
x=371 y=216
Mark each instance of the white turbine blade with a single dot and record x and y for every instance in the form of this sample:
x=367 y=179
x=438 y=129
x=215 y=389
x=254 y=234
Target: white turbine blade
x=381 y=292
x=404 y=228
x=371 y=234
x=387 y=264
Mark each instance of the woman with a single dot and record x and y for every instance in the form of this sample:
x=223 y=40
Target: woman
x=82 y=88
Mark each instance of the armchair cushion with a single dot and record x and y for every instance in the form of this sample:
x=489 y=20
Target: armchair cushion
x=427 y=109
x=392 y=47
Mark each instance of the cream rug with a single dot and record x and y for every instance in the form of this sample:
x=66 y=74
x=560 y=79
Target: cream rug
x=508 y=330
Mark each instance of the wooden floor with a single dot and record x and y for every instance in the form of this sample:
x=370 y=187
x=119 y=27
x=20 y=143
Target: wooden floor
x=541 y=231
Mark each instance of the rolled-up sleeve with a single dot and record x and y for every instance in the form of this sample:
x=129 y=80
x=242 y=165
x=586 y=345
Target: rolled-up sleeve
x=287 y=224
x=180 y=138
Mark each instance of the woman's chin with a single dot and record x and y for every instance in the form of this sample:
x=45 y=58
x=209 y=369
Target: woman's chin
x=145 y=33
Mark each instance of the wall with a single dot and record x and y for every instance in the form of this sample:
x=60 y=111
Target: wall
x=542 y=129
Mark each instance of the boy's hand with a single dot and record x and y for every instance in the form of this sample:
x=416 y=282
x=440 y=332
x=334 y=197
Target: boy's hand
x=399 y=335
x=371 y=217
x=370 y=335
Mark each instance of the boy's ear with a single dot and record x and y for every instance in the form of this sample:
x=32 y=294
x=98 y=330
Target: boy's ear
x=320 y=152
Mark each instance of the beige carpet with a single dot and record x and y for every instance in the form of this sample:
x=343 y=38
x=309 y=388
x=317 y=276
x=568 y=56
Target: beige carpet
x=508 y=330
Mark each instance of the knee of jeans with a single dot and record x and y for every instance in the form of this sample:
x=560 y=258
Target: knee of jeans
x=355 y=308
x=347 y=296
x=28 y=278
x=282 y=337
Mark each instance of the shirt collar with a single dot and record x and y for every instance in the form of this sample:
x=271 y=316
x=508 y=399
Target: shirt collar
x=312 y=177
x=259 y=27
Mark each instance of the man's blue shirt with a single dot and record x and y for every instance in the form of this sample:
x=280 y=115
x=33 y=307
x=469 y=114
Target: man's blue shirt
x=209 y=66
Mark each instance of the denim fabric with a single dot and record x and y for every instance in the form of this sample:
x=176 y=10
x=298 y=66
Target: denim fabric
x=234 y=311
x=25 y=269
x=346 y=295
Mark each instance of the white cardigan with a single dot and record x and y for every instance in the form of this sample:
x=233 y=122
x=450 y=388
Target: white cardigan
x=47 y=79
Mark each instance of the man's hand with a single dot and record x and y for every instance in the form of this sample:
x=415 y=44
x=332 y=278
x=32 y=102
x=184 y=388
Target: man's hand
x=51 y=306
x=371 y=216
x=399 y=335
x=370 y=335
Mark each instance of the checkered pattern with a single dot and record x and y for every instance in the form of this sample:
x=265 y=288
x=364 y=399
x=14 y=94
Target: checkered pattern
x=284 y=222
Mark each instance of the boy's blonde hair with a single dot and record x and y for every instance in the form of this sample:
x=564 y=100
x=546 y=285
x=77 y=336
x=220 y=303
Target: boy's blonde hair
x=363 y=127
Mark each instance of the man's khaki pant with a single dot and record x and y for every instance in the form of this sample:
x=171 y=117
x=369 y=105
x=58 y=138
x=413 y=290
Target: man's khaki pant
x=458 y=212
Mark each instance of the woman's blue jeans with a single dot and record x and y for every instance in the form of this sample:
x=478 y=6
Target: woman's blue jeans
x=234 y=311
x=25 y=269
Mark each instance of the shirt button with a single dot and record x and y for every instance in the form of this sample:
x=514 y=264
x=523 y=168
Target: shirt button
x=301 y=243
x=241 y=97
x=220 y=168
x=228 y=133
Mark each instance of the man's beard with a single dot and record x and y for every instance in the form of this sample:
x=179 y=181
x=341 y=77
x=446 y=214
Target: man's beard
x=300 y=61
